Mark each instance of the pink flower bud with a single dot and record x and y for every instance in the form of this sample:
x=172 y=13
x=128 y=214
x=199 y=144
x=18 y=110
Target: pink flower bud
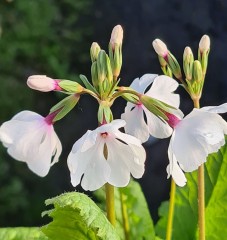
x=204 y=44
x=160 y=48
x=43 y=83
x=116 y=36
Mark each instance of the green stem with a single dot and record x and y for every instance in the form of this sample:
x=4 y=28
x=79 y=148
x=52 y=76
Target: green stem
x=201 y=193
x=124 y=216
x=110 y=208
x=120 y=92
x=171 y=210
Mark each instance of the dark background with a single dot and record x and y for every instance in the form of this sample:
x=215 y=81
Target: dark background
x=53 y=38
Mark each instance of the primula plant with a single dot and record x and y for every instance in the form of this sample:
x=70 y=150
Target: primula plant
x=104 y=159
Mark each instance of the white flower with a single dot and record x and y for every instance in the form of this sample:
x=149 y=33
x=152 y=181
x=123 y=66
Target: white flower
x=196 y=136
x=31 y=138
x=125 y=155
x=161 y=89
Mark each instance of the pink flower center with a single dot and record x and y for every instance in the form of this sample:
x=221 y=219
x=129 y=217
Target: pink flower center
x=104 y=135
x=172 y=120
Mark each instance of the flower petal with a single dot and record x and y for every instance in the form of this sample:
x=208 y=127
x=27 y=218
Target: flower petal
x=41 y=162
x=157 y=128
x=135 y=123
x=92 y=164
x=27 y=116
x=140 y=84
x=118 y=155
x=97 y=171
x=173 y=168
x=111 y=127
x=216 y=109
x=163 y=88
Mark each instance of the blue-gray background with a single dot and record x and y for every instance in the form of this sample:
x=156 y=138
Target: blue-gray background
x=53 y=38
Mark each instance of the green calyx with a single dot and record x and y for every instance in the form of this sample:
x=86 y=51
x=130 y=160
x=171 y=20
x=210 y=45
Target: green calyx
x=157 y=107
x=115 y=54
x=70 y=86
x=64 y=106
x=104 y=113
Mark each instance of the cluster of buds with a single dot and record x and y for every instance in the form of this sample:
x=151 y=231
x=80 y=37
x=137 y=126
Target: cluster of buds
x=106 y=69
x=194 y=70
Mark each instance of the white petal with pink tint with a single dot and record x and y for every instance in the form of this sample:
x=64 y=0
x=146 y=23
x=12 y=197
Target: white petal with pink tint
x=197 y=135
x=30 y=139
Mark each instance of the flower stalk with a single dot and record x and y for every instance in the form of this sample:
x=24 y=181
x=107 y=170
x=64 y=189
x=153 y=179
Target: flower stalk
x=124 y=216
x=201 y=193
x=171 y=210
x=110 y=206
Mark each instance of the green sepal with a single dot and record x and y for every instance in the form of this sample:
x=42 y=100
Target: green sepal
x=65 y=106
x=77 y=217
x=174 y=66
x=70 y=86
x=130 y=98
x=156 y=107
x=104 y=113
x=87 y=84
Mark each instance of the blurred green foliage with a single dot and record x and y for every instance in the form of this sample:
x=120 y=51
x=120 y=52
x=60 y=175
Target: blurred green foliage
x=37 y=37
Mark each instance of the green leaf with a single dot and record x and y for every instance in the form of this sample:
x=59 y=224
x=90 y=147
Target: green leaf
x=22 y=233
x=76 y=216
x=70 y=86
x=140 y=222
x=186 y=210
x=87 y=84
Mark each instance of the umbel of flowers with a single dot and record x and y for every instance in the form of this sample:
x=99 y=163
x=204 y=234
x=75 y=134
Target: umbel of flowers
x=106 y=155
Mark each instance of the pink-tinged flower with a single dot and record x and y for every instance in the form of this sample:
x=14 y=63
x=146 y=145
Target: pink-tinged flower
x=31 y=138
x=196 y=136
x=125 y=155
x=43 y=83
x=161 y=89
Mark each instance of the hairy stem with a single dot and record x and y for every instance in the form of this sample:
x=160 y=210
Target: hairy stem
x=171 y=210
x=124 y=216
x=201 y=193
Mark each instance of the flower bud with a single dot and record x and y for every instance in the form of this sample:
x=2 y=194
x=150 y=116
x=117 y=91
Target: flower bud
x=197 y=72
x=116 y=36
x=188 y=60
x=160 y=48
x=43 y=83
x=174 y=66
x=204 y=44
x=115 y=53
x=104 y=73
x=203 y=52
x=94 y=51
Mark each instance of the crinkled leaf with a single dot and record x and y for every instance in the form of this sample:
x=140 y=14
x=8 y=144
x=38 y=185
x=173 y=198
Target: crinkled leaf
x=22 y=233
x=140 y=222
x=76 y=216
x=185 y=218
